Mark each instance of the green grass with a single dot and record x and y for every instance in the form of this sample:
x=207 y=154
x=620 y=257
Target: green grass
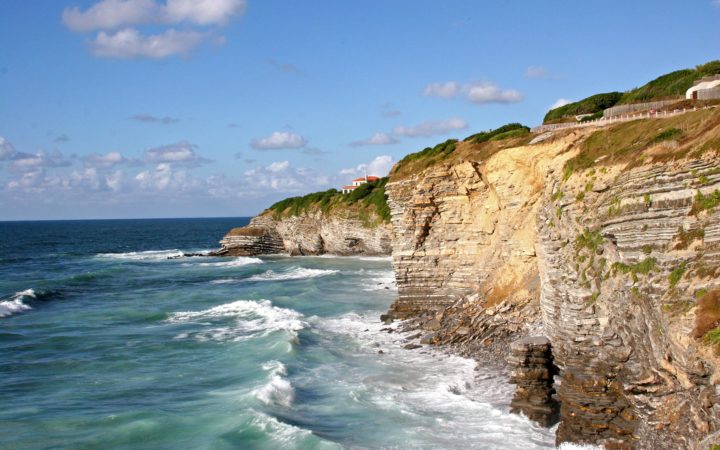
x=592 y=240
x=685 y=238
x=670 y=133
x=713 y=337
x=591 y=105
x=426 y=157
x=366 y=197
x=676 y=275
x=705 y=202
x=673 y=84
x=503 y=132
x=643 y=267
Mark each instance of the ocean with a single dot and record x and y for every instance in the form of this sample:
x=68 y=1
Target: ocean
x=111 y=340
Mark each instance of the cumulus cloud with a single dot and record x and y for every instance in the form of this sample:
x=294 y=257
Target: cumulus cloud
x=6 y=149
x=130 y=43
x=379 y=167
x=446 y=90
x=114 y=14
x=149 y=118
x=490 y=93
x=479 y=92
x=376 y=139
x=279 y=140
x=432 y=128
x=182 y=152
x=560 y=102
x=280 y=176
x=29 y=162
x=109 y=159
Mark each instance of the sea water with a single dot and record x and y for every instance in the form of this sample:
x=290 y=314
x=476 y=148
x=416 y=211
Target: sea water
x=109 y=339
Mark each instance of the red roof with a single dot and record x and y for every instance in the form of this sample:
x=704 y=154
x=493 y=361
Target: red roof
x=349 y=187
x=370 y=178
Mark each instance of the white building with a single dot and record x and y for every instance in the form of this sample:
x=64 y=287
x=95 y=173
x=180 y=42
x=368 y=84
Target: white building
x=704 y=88
x=357 y=182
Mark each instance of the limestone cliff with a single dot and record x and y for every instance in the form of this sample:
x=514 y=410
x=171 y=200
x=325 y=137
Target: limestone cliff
x=310 y=233
x=603 y=241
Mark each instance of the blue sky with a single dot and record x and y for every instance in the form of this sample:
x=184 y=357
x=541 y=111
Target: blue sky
x=181 y=108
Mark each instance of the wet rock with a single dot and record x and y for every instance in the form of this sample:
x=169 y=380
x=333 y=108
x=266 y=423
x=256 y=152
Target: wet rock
x=412 y=346
x=532 y=372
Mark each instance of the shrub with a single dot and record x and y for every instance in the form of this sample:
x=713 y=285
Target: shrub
x=704 y=202
x=670 y=133
x=591 y=240
x=676 y=275
x=591 y=105
x=503 y=132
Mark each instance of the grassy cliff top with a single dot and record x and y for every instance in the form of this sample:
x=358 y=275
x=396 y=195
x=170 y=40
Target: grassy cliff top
x=367 y=201
x=669 y=86
x=478 y=146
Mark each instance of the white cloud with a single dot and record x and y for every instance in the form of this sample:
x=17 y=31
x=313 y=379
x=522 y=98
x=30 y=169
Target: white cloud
x=114 y=14
x=279 y=140
x=445 y=90
x=379 y=167
x=282 y=177
x=130 y=43
x=6 y=149
x=487 y=92
x=432 y=128
x=109 y=159
x=278 y=166
x=161 y=178
x=28 y=162
x=376 y=139
x=480 y=92
x=182 y=152
x=562 y=101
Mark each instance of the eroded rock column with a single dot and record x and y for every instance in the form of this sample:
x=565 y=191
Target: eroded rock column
x=532 y=372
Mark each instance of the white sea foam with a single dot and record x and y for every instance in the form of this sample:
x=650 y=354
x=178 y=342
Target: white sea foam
x=462 y=403
x=297 y=273
x=570 y=446
x=224 y=281
x=237 y=262
x=380 y=280
x=14 y=304
x=278 y=390
x=284 y=435
x=240 y=320
x=150 y=255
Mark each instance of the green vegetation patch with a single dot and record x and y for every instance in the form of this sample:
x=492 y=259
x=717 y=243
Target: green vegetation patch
x=591 y=105
x=366 y=198
x=506 y=131
x=643 y=267
x=685 y=238
x=673 y=84
x=676 y=275
x=705 y=202
x=592 y=240
x=426 y=157
x=670 y=133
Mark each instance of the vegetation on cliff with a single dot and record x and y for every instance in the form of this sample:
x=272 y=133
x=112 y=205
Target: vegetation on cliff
x=593 y=104
x=669 y=86
x=368 y=200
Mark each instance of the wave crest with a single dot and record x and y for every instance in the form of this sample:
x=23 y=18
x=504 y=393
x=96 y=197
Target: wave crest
x=150 y=255
x=298 y=273
x=278 y=390
x=15 y=305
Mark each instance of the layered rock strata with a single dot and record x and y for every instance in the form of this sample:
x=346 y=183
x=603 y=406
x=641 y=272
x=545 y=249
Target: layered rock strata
x=607 y=262
x=532 y=371
x=313 y=233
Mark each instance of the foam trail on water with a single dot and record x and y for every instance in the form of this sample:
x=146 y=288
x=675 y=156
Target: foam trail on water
x=380 y=280
x=240 y=320
x=150 y=255
x=14 y=304
x=298 y=273
x=237 y=262
x=277 y=390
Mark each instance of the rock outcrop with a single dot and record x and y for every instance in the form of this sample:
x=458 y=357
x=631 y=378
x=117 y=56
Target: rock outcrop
x=606 y=260
x=533 y=371
x=312 y=233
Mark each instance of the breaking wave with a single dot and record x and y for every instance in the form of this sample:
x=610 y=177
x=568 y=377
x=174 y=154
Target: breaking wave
x=298 y=273
x=15 y=304
x=278 y=390
x=150 y=255
x=236 y=262
x=240 y=320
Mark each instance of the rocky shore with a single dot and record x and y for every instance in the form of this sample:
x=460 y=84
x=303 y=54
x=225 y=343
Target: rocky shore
x=601 y=260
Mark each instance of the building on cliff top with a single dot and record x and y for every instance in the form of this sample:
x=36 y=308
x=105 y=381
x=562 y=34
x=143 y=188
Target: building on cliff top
x=704 y=89
x=357 y=182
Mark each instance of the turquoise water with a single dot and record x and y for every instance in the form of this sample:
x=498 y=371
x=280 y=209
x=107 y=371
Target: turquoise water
x=108 y=344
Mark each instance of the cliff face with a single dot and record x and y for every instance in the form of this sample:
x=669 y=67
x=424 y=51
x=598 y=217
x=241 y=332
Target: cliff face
x=312 y=233
x=607 y=261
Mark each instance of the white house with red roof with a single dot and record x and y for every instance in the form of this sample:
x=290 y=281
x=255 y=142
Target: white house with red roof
x=357 y=182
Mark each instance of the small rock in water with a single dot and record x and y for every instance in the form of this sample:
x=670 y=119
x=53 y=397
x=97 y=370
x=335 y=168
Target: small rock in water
x=412 y=346
x=380 y=352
